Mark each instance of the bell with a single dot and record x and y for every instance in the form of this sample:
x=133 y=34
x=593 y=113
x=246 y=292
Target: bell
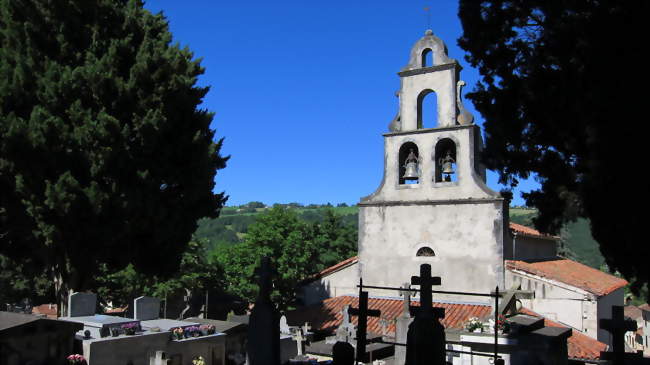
x=447 y=168
x=411 y=172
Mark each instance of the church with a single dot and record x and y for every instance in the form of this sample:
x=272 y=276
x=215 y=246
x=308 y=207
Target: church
x=433 y=206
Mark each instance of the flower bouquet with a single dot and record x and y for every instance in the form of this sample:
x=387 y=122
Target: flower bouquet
x=130 y=328
x=199 y=360
x=76 y=359
x=474 y=325
x=177 y=333
x=207 y=329
x=192 y=331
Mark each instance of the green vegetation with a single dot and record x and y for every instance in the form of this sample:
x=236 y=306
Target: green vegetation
x=106 y=158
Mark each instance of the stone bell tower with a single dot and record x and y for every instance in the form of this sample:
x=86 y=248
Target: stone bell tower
x=433 y=205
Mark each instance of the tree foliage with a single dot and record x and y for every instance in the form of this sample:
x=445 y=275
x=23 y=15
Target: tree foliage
x=105 y=157
x=558 y=101
x=297 y=250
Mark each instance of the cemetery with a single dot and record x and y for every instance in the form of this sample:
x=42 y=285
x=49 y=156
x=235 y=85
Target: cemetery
x=441 y=276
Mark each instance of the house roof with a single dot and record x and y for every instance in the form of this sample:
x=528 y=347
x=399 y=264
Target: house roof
x=49 y=310
x=530 y=232
x=579 y=345
x=326 y=316
x=632 y=311
x=332 y=269
x=571 y=273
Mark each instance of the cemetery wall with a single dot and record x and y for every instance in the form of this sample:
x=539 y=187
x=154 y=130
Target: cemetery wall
x=467 y=240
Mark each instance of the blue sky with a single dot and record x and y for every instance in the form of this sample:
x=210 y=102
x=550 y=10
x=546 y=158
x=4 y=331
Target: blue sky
x=304 y=90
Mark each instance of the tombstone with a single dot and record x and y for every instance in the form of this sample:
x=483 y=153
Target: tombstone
x=263 y=346
x=342 y=354
x=362 y=324
x=402 y=323
x=82 y=304
x=284 y=327
x=146 y=308
x=425 y=343
x=345 y=331
x=300 y=343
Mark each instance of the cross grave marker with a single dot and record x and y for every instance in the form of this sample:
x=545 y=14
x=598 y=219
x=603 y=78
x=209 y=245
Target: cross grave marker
x=617 y=326
x=362 y=324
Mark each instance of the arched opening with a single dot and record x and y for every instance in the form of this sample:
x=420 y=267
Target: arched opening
x=409 y=164
x=445 y=161
x=427 y=100
x=425 y=252
x=427 y=57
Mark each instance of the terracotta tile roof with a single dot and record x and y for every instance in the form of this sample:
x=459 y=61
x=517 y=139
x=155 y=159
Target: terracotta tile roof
x=531 y=232
x=632 y=311
x=580 y=346
x=571 y=273
x=326 y=316
x=49 y=310
x=645 y=307
x=332 y=269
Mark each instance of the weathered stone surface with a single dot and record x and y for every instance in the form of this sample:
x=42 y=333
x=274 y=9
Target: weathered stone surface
x=82 y=304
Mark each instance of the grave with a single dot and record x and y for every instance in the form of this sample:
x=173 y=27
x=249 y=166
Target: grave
x=82 y=304
x=146 y=308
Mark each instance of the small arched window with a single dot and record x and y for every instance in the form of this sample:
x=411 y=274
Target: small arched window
x=427 y=57
x=425 y=252
x=409 y=164
x=445 y=161
x=427 y=109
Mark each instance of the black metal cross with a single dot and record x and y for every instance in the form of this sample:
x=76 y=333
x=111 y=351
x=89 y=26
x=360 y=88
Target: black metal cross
x=426 y=282
x=362 y=326
x=617 y=326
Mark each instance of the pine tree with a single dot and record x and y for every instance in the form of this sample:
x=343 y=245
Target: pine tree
x=105 y=157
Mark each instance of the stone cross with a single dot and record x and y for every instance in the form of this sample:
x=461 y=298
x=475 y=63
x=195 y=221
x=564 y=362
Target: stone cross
x=305 y=328
x=617 y=326
x=509 y=299
x=407 y=294
x=345 y=331
x=265 y=272
x=425 y=342
x=362 y=324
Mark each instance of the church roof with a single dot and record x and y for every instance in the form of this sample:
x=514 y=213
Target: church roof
x=530 y=232
x=326 y=316
x=579 y=345
x=571 y=273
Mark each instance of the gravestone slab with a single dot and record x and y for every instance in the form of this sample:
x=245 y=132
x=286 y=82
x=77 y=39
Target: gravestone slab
x=146 y=308
x=82 y=304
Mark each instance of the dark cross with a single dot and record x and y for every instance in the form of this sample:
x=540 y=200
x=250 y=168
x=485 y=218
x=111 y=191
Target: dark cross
x=362 y=326
x=617 y=326
x=426 y=282
x=264 y=272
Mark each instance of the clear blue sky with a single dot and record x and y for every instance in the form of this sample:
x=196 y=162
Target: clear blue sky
x=304 y=90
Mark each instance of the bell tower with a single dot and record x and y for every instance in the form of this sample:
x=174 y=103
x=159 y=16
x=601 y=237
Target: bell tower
x=433 y=205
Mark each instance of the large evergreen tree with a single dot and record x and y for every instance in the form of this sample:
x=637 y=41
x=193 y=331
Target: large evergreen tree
x=557 y=94
x=105 y=157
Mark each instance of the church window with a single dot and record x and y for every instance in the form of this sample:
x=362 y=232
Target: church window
x=425 y=252
x=445 y=161
x=427 y=109
x=409 y=164
x=427 y=57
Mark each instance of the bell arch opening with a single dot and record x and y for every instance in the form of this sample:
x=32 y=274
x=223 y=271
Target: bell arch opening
x=445 y=161
x=427 y=101
x=409 y=164
x=427 y=58
x=425 y=252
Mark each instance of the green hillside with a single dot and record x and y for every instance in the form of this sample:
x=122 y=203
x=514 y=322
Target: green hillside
x=233 y=224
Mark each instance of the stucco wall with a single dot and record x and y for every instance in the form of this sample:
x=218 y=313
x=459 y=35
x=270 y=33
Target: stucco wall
x=558 y=302
x=605 y=304
x=335 y=284
x=467 y=240
x=527 y=248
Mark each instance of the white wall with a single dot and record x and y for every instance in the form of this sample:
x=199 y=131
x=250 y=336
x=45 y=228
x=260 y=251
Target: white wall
x=338 y=283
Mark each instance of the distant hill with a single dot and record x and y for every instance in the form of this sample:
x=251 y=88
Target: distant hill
x=231 y=227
